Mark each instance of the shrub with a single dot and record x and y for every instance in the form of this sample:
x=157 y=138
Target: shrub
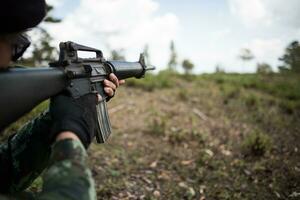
x=290 y=107
x=177 y=137
x=256 y=144
x=251 y=101
x=183 y=95
x=157 y=126
x=165 y=79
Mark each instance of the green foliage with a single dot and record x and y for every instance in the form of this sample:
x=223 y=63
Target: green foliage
x=178 y=136
x=263 y=68
x=291 y=58
x=187 y=65
x=117 y=55
x=43 y=52
x=165 y=79
x=173 y=57
x=50 y=18
x=146 y=54
x=219 y=69
x=257 y=144
x=280 y=86
x=251 y=100
x=157 y=126
x=183 y=94
x=229 y=92
x=246 y=55
x=290 y=107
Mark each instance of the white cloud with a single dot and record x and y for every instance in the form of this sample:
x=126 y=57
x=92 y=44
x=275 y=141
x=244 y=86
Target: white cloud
x=267 y=12
x=249 y=12
x=54 y=3
x=120 y=24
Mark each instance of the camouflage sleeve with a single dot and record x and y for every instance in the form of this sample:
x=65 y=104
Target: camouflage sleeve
x=25 y=155
x=68 y=177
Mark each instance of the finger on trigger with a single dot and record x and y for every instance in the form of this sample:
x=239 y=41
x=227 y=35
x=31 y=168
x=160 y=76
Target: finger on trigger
x=114 y=79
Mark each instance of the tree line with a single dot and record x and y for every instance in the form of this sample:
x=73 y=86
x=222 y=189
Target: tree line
x=290 y=60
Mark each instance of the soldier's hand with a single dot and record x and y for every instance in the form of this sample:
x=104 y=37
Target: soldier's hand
x=112 y=84
x=74 y=115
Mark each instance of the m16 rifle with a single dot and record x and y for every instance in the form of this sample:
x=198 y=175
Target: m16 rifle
x=23 y=88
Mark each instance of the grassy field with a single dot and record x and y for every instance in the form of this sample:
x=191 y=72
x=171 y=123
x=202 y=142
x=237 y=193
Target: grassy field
x=217 y=136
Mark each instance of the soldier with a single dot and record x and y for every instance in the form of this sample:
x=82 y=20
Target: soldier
x=56 y=140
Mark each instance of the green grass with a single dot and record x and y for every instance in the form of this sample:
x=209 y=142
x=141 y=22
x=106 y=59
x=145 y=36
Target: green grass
x=151 y=82
x=283 y=86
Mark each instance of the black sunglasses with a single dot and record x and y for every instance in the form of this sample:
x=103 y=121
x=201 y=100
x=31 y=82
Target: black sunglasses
x=19 y=46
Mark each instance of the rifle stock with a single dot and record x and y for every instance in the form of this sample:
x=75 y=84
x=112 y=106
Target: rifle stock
x=23 y=88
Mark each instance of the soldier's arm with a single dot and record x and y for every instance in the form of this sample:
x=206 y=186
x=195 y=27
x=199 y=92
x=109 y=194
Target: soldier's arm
x=68 y=176
x=25 y=155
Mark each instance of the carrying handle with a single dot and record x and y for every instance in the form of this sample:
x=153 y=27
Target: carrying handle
x=69 y=53
x=78 y=47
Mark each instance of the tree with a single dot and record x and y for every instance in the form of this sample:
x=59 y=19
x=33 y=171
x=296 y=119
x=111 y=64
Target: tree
x=263 y=68
x=49 y=18
x=291 y=58
x=117 y=55
x=42 y=51
x=146 y=54
x=246 y=55
x=173 y=57
x=187 y=65
x=219 y=68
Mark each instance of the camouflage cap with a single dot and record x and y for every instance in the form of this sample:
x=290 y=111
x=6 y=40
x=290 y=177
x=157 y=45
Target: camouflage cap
x=16 y=15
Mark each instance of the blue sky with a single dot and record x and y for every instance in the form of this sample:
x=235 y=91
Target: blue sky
x=209 y=33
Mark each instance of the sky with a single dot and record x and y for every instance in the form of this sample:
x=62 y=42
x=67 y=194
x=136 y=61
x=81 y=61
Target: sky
x=207 y=32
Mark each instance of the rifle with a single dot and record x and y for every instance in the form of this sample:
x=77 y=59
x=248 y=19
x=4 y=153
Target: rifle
x=24 y=88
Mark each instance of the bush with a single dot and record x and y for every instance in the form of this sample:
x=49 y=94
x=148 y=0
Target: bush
x=256 y=144
x=165 y=79
x=290 y=107
x=157 y=126
x=263 y=68
x=252 y=101
x=183 y=95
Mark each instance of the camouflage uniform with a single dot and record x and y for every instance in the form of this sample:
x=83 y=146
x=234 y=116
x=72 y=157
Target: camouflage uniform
x=26 y=154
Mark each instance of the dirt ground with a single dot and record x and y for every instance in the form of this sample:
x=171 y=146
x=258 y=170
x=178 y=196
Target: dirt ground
x=198 y=140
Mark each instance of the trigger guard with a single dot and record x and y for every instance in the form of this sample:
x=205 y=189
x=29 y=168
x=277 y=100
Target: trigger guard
x=99 y=88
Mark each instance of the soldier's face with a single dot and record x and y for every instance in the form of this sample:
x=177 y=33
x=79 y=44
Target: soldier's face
x=5 y=54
